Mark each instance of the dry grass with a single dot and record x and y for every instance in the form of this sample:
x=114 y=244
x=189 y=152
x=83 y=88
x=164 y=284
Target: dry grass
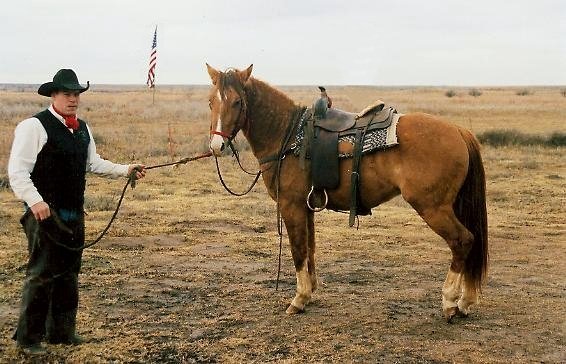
x=187 y=272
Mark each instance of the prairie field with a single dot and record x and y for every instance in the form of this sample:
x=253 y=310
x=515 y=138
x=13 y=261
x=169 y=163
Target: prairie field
x=187 y=272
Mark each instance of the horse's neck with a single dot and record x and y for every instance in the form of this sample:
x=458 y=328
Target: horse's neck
x=269 y=114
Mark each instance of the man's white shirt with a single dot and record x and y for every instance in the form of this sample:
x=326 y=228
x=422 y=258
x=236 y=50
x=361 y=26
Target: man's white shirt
x=29 y=138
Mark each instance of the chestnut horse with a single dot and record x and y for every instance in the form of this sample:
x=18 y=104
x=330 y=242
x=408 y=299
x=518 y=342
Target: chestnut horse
x=436 y=167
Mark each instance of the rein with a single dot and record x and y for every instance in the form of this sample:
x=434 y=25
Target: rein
x=228 y=188
x=237 y=156
x=130 y=182
x=229 y=138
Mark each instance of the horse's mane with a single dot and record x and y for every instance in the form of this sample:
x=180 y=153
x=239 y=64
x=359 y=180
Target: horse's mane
x=256 y=86
x=252 y=88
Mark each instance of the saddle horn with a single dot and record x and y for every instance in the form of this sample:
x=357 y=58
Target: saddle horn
x=322 y=104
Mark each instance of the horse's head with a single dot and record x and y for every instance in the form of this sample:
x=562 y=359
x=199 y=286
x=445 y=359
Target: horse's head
x=228 y=105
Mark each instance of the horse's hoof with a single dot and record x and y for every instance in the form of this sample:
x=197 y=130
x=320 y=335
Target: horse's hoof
x=463 y=313
x=449 y=314
x=293 y=310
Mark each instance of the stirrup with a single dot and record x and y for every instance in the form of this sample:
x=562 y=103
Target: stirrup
x=317 y=209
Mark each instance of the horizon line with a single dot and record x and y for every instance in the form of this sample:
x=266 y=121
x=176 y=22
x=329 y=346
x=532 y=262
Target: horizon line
x=143 y=85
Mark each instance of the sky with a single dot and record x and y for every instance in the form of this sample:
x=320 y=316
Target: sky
x=289 y=42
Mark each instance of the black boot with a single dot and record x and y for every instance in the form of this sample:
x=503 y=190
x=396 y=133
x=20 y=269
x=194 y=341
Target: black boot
x=61 y=329
x=32 y=349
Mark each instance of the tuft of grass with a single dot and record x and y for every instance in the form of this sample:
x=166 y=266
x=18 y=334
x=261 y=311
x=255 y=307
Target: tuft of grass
x=524 y=92
x=450 y=93
x=475 y=92
x=142 y=196
x=505 y=137
x=4 y=182
x=99 y=139
x=557 y=139
x=99 y=203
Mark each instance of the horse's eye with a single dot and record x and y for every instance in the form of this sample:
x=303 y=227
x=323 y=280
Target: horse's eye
x=237 y=103
x=210 y=105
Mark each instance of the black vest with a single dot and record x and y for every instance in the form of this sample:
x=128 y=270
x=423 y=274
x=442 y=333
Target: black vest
x=60 y=169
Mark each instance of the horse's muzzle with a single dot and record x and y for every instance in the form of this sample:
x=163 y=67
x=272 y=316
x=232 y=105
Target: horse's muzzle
x=217 y=145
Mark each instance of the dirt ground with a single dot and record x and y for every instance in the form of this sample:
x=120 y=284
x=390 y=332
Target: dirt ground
x=187 y=275
x=205 y=292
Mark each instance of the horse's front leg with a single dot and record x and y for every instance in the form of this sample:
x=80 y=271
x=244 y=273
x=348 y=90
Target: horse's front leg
x=296 y=222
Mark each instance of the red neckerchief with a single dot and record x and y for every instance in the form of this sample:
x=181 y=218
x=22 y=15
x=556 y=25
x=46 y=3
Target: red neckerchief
x=71 y=121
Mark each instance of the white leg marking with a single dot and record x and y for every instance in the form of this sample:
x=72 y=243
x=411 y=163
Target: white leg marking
x=304 y=288
x=469 y=297
x=451 y=290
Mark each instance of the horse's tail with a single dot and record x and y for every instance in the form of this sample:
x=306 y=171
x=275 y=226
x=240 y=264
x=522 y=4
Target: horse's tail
x=470 y=208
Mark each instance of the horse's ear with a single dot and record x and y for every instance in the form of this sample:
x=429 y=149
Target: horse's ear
x=212 y=73
x=245 y=74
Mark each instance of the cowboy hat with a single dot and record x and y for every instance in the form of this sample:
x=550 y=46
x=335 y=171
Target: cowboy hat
x=66 y=80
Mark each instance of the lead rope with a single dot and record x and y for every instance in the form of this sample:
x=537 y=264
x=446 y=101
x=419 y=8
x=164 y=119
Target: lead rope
x=130 y=182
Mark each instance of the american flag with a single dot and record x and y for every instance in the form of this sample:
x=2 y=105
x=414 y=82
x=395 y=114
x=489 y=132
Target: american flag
x=152 y=62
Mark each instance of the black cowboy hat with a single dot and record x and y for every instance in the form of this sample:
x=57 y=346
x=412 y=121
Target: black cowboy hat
x=64 y=80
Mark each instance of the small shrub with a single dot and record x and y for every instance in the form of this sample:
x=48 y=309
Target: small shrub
x=474 y=92
x=557 y=139
x=142 y=196
x=4 y=182
x=563 y=92
x=530 y=164
x=450 y=93
x=499 y=138
x=524 y=92
x=168 y=191
x=99 y=203
x=99 y=139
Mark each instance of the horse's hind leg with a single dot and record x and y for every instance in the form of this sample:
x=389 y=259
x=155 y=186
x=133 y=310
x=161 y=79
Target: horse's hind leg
x=296 y=222
x=469 y=297
x=457 y=295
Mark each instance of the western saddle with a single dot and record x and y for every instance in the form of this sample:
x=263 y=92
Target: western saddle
x=322 y=132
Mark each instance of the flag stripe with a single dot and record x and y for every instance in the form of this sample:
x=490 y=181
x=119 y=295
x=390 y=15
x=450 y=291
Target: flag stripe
x=152 y=62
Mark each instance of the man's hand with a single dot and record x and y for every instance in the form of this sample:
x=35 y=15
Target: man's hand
x=41 y=211
x=140 y=170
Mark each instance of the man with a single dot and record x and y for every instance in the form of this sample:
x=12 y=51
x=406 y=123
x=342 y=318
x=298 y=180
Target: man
x=51 y=153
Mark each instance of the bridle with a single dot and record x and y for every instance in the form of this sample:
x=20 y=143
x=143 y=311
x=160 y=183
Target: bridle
x=228 y=140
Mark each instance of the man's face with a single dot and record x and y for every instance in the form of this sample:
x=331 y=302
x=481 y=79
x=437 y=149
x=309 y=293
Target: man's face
x=66 y=102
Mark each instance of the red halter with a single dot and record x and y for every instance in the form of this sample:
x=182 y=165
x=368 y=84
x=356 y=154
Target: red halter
x=221 y=133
